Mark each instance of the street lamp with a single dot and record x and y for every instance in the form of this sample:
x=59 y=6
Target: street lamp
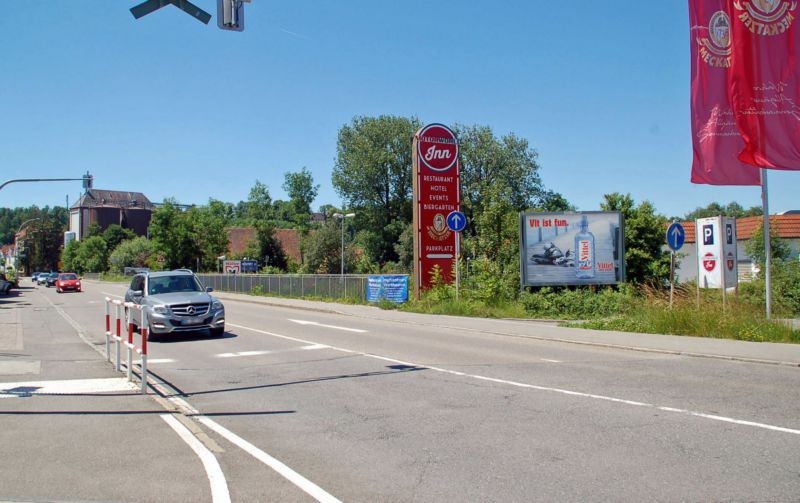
x=16 y=240
x=342 y=216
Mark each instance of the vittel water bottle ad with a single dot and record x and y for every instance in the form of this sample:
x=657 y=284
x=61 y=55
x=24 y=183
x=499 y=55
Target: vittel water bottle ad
x=571 y=248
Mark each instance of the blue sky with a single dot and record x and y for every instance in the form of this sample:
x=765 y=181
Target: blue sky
x=170 y=107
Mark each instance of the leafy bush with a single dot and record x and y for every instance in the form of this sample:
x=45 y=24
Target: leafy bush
x=580 y=303
x=785 y=289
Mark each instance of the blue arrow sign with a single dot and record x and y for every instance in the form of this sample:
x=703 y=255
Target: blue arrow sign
x=676 y=235
x=456 y=221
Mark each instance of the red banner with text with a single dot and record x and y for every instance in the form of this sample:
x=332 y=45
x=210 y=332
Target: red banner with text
x=764 y=81
x=716 y=142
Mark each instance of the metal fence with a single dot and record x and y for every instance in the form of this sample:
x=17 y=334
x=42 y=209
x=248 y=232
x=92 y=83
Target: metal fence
x=334 y=286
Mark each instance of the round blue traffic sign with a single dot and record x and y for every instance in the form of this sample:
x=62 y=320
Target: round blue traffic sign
x=456 y=221
x=676 y=236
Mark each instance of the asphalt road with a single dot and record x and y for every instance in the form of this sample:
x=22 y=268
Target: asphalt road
x=302 y=405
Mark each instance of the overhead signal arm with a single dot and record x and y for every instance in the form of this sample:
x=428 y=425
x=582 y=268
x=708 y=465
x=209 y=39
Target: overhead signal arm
x=186 y=6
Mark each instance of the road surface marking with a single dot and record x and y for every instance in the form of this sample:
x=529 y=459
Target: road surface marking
x=67 y=387
x=551 y=361
x=292 y=476
x=277 y=351
x=314 y=323
x=219 y=486
x=150 y=361
x=544 y=388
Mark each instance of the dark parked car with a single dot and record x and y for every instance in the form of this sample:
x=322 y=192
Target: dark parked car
x=175 y=301
x=51 y=279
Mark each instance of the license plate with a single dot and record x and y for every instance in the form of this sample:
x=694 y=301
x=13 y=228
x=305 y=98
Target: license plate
x=192 y=321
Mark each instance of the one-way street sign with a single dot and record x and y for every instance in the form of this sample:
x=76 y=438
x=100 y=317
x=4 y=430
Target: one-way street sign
x=676 y=235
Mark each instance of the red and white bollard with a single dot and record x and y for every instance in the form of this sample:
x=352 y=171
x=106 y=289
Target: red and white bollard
x=129 y=343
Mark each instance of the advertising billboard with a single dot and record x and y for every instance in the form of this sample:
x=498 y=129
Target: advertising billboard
x=392 y=287
x=716 y=252
x=436 y=195
x=232 y=266
x=559 y=249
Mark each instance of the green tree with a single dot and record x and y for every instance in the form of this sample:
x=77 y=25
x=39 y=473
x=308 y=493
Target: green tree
x=732 y=209
x=302 y=192
x=92 y=256
x=173 y=236
x=208 y=232
x=507 y=164
x=69 y=257
x=259 y=204
x=553 y=201
x=645 y=261
x=323 y=250
x=266 y=248
x=372 y=174
x=779 y=249
x=115 y=234
x=136 y=252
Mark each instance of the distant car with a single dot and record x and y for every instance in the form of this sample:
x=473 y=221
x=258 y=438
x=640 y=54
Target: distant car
x=41 y=279
x=51 y=279
x=35 y=276
x=176 y=301
x=68 y=281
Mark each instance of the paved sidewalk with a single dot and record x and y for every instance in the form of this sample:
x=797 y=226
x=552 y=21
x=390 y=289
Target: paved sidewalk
x=758 y=352
x=74 y=429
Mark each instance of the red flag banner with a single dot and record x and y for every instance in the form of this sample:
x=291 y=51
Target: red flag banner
x=715 y=140
x=764 y=81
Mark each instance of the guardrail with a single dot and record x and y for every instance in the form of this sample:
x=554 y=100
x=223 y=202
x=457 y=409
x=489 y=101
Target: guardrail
x=133 y=311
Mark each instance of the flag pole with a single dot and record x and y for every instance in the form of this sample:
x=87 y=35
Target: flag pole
x=767 y=244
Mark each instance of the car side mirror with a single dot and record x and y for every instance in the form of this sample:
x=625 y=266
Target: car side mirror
x=137 y=293
x=209 y=289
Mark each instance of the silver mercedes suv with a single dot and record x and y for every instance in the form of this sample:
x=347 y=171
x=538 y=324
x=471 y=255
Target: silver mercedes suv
x=175 y=301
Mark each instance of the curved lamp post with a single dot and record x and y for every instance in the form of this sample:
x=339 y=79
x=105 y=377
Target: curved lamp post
x=16 y=240
x=342 y=216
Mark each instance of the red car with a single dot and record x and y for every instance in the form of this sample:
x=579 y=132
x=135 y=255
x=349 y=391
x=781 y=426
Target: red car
x=68 y=281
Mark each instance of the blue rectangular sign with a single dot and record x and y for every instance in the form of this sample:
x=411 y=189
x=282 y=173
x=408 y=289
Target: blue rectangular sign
x=389 y=287
x=249 y=266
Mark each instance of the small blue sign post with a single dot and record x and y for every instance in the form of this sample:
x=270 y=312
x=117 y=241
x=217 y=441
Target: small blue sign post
x=456 y=221
x=676 y=236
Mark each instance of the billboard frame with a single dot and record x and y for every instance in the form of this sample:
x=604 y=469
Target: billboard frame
x=570 y=217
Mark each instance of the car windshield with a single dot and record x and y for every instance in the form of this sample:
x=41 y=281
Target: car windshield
x=68 y=276
x=53 y=274
x=170 y=284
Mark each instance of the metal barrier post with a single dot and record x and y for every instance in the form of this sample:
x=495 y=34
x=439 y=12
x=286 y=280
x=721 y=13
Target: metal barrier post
x=118 y=337
x=108 y=330
x=130 y=345
x=143 y=332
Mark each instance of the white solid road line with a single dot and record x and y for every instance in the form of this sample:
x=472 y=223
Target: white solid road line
x=544 y=388
x=292 y=476
x=219 y=486
x=314 y=323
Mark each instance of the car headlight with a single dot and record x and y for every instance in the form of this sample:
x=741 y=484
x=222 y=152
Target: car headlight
x=161 y=309
x=216 y=305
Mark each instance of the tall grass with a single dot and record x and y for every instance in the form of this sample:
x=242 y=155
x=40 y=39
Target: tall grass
x=703 y=316
x=640 y=309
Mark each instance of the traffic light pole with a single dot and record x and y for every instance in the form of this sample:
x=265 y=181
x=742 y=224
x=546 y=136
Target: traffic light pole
x=86 y=179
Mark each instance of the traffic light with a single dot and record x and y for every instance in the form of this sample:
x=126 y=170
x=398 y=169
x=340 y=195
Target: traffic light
x=88 y=180
x=230 y=14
